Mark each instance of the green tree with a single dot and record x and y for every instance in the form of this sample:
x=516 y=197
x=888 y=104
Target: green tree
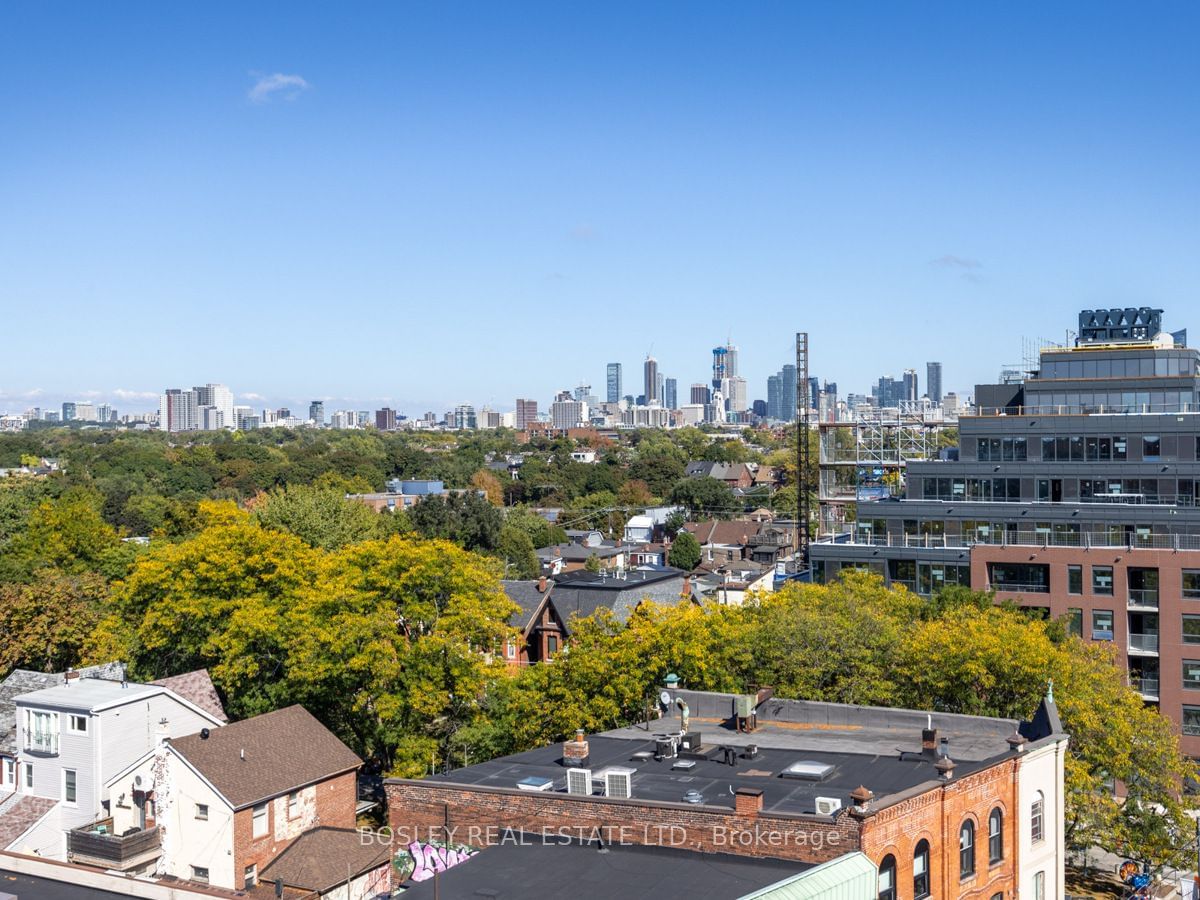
x=466 y=518
x=48 y=622
x=685 y=552
x=320 y=517
x=705 y=497
x=517 y=552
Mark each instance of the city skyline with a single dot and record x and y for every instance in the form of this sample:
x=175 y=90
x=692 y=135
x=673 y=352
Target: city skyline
x=323 y=169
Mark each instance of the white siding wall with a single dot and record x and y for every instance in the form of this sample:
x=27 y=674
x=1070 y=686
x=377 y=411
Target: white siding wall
x=1042 y=771
x=131 y=730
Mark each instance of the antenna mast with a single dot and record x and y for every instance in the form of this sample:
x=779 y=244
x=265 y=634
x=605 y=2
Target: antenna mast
x=803 y=512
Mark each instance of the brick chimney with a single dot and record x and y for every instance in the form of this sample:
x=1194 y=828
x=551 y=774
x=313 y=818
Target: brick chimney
x=70 y=675
x=687 y=586
x=748 y=801
x=929 y=739
x=945 y=768
x=542 y=584
x=575 y=753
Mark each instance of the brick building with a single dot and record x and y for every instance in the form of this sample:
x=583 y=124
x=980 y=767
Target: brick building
x=228 y=801
x=943 y=805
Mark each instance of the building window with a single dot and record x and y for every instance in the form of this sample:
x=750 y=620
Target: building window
x=202 y=811
x=200 y=874
x=1191 y=674
x=1191 y=720
x=1037 y=815
x=1039 y=886
x=28 y=777
x=1074 y=579
x=1191 y=584
x=1191 y=629
x=41 y=731
x=510 y=650
x=1102 y=580
x=293 y=804
x=70 y=787
x=251 y=878
x=260 y=820
x=1075 y=621
x=966 y=849
x=1102 y=625
x=10 y=771
x=551 y=646
x=1151 y=447
x=995 y=836
x=921 y=870
x=887 y=878
x=77 y=724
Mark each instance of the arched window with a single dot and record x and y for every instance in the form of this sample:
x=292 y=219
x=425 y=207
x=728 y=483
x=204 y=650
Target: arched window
x=921 y=870
x=966 y=849
x=1037 y=817
x=887 y=878
x=995 y=836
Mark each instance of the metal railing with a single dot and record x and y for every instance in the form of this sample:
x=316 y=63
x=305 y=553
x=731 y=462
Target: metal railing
x=1146 y=598
x=1014 y=587
x=1101 y=409
x=1145 y=643
x=1023 y=538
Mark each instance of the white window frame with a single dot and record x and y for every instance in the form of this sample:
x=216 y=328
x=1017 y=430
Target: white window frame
x=197 y=877
x=28 y=779
x=264 y=808
x=10 y=771
x=1039 y=886
x=202 y=812
x=1037 y=819
x=77 y=724
x=250 y=876
x=74 y=773
x=41 y=731
x=293 y=805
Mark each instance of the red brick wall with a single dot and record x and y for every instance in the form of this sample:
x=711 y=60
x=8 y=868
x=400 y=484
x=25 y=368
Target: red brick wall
x=336 y=800
x=478 y=816
x=936 y=816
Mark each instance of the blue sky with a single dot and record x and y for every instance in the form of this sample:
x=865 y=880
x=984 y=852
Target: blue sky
x=468 y=202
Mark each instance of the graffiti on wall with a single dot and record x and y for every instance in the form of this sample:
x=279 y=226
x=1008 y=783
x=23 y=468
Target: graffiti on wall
x=421 y=860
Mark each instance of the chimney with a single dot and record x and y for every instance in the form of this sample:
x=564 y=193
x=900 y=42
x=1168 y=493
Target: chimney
x=575 y=753
x=929 y=737
x=1016 y=742
x=748 y=801
x=687 y=586
x=542 y=584
x=71 y=675
x=945 y=768
x=862 y=797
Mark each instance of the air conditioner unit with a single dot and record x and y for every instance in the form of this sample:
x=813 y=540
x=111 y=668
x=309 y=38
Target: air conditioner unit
x=618 y=783
x=579 y=782
x=827 y=806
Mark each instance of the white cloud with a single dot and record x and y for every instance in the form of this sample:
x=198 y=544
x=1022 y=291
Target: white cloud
x=253 y=398
x=267 y=87
x=126 y=394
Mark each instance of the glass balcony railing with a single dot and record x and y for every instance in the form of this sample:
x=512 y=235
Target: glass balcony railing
x=1143 y=598
x=1147 y=686
x=1143 y=643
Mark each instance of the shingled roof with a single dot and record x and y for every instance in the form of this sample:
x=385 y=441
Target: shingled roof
x=198 y=689
x=320 y=860
x=268 y=755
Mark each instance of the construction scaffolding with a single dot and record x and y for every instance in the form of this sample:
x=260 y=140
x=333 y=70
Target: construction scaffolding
x=865 y=458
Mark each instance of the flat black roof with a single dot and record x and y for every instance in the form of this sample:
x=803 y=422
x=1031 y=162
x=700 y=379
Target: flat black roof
x=31 y=887
x=528 y=865
x=661 y=781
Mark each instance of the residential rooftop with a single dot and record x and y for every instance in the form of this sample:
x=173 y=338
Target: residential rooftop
x=92 y=694
x=844 y=746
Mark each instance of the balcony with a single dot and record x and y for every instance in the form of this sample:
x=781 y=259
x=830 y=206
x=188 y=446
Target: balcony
x=95 y=845
x=1015 y=587
x=1146 y=598
x=1143 y=644
x=41 y=742
x=1146 y=686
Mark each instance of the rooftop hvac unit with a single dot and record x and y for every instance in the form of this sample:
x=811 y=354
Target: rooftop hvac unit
x=827 y=806
x=579 y=782
x=618 y=783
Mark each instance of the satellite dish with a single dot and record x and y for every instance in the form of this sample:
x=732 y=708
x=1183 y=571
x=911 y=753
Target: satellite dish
x=665 y=698
x=137 y=780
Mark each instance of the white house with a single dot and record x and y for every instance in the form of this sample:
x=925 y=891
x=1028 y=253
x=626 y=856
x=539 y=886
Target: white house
x=1041 y=852
x=73 y=737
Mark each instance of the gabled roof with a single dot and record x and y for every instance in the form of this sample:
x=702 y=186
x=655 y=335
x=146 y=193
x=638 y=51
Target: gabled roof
x=527 y=596
x=18 y=813
x=198 y=689
x=583 y=593
x=720 y=531
x=323 y=858
x=268 y=755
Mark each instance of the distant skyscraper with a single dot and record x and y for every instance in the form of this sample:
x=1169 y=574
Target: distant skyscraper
x=650 y=372
x=700 y=394
x=567 y=412
x=217 y=395
x=464 y=417
x=385 y=419
x=814 y=393
x=582 y=392
x=724 y=364
x=933 y=381
x=774 y=398
x=781 y=395
x=614 y=383
x=734 y=390
x=316 y=411
x=671 y=393
x=760 y=408
x=179 y=410
x=911 y=389
x=526 y=414
x=68 y=412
